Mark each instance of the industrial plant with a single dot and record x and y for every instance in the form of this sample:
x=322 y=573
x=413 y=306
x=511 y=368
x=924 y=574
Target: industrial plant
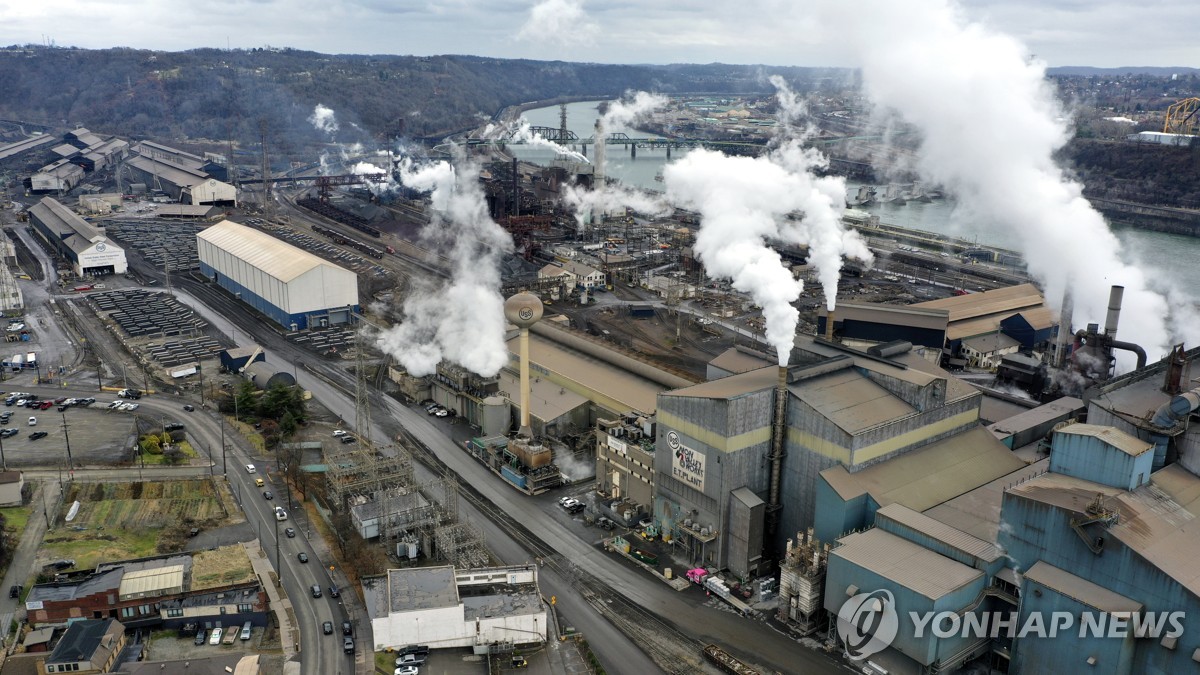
x=768 y=423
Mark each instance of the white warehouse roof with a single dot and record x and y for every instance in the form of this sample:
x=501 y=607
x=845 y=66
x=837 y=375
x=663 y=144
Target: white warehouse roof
x=272 y=256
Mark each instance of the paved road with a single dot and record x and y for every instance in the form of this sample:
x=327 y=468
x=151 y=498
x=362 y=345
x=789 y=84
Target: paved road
x=751 y=639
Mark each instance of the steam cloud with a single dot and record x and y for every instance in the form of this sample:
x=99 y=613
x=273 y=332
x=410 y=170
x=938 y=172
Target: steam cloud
x=990 y=125
x=561 y=21
x=744 y=203
x=608 y=197
x=526 y=134
x=324 y=119
x=461 y=320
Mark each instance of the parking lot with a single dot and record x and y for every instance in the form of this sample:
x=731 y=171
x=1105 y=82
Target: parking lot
x=97 y=435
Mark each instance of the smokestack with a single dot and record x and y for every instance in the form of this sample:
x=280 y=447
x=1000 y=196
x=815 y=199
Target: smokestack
x=1114 y=310
x=778 y=436
x=523 y=310
x=1064 y=328
x=829 y=326
x=516 y=191
x=598 y=156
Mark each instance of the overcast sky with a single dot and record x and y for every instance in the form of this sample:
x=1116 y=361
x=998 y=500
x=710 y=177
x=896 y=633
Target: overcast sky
x=777 y=32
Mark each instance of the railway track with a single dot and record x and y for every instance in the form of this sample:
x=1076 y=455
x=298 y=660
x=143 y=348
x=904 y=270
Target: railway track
x=671 y=649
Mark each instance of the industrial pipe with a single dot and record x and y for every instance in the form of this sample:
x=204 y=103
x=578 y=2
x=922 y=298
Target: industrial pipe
x=778 y=434
x=1176 y=409
x=609 y=356
x=1130 y=347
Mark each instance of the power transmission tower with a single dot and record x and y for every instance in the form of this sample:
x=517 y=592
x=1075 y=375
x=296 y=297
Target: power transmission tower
x=362 y=398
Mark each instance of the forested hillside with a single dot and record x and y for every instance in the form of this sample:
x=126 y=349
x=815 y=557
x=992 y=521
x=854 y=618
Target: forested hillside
x=213 y=93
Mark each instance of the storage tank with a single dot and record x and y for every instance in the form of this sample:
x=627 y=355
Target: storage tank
x=265 y=375
x=496 y=416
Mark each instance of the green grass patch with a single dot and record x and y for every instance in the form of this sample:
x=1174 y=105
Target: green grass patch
x=17 y=519
x=189 y=453
x=119 y=521
x=385 y=661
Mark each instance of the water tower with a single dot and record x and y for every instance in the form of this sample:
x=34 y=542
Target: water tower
x=523 y=310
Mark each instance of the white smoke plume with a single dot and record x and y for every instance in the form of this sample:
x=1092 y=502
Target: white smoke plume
x=324 y=119
x=462 y=319
x=526 y=134
x=612 y=197
x=741 y=201
x=630 y=109
x=990 y=125
x=560 y=21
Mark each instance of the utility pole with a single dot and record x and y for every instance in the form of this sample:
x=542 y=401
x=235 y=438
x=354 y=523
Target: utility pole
x=70 y=460
x=224 y=470
x=3 y=463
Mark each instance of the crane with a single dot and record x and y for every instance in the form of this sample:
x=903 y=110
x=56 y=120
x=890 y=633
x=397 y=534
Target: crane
x=1181 y=117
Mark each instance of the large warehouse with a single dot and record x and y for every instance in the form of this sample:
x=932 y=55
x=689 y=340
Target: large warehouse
x=293 y=287
x=89 y=250
x=182 y=183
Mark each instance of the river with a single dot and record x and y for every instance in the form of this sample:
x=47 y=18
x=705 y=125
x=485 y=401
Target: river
x=1172 y=257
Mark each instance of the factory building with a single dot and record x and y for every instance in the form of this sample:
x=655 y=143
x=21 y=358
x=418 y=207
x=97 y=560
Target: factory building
x=1016 y=311
x=16 y=148
x=292 y=287
x=85 y=246
x=154 y=150
x=625 y=464
x=736 y=360
x=1101 y=531
x=862 y=324
x=713 y=459
x=180 y=182
x=57 y=177
x=446 y=608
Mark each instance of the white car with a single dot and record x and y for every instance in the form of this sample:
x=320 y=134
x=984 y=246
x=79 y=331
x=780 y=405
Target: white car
x=338 y=433
x=132 y=406
x=33 y=421
x=114 y=404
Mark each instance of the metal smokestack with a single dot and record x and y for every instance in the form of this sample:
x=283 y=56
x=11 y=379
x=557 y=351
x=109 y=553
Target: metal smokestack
x=1114 y=310
x=1064 y=328
x=829 y=325
x=598 y=156
x=778 y=436
x=523 y=310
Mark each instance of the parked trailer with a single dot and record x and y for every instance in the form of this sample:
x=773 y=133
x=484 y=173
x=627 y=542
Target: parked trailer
x=727 y=662
x=31 y=360
x=17 y=362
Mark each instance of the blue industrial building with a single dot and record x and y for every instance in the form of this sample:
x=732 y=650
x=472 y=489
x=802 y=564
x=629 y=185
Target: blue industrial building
x=291 y=286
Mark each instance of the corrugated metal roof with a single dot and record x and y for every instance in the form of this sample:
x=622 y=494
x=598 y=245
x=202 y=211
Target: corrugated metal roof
x=732 y=386
x=736 y=361
x=905 y=563
x=1033 y=417
x=152 y=581
x=1038 y=318
x=939 y=531
x=978 y=512
x=989 y=343
x=1151 y=521
x=747 y=497
x=274 y=257
x=928 y=476
x=631 y=391
x=1010 y=299
x=1111 y=436
x=1080 y=589
x=66 y=223
x=168 y=171
x=22 y=145
x=897 y=315
x=851 y=401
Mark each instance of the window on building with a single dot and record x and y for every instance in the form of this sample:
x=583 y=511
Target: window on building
x=175 y=612
x=245 y=608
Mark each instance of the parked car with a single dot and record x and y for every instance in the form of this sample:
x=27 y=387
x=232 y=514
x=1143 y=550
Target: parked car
x=348 y=439
x=201 y=636
x=334 y=592
x=327 y=628
x=414 y=649
x=347 y=628
x=338 y=433
x=9 y=432
x=406 y=670
x=15 y=591
x=33 y=421
x=216 y=637
x=303 y=557
x=37 y=435
x=348 y=645
x=411 y=660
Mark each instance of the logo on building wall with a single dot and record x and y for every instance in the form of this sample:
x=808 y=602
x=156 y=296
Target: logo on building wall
x=867 y=623
x=687 y=465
